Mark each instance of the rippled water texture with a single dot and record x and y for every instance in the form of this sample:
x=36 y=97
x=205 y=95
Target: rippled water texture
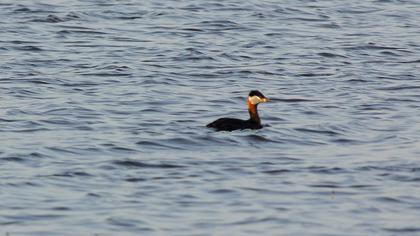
x=104 y=106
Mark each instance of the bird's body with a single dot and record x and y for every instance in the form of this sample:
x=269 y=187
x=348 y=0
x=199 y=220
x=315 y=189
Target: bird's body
x=230 y=124
x=254 y=122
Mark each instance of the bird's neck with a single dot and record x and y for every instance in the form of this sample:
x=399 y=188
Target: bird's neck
x=253 y=113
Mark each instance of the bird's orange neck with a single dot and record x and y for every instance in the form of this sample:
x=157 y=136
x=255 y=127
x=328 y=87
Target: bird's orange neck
x=253 y=112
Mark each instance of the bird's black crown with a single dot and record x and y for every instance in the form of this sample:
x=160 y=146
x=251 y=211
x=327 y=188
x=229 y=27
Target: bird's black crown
x=256 y=93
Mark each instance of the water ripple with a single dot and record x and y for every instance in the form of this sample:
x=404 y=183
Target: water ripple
x=138 y=164
x=104 y=106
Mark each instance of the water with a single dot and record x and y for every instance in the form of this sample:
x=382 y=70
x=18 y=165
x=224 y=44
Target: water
x=104 y=106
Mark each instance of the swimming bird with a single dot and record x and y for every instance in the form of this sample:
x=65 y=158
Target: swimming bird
x=255 y=97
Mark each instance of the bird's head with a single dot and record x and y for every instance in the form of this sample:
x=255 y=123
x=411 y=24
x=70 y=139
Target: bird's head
x=255 y=97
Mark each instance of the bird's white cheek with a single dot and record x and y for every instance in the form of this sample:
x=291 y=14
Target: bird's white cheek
x=254 y=100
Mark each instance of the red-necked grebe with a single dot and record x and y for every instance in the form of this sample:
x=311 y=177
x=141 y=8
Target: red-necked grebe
x=254 y=122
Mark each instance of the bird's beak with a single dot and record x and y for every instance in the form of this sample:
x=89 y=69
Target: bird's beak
x=265 y=100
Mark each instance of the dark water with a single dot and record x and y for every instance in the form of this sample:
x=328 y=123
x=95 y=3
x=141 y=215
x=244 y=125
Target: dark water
x=104 y=105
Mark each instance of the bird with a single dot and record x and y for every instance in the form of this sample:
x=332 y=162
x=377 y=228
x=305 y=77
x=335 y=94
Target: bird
x=255 y=97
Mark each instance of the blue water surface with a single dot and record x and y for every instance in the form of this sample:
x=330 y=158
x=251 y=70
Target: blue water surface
x=103 y=107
